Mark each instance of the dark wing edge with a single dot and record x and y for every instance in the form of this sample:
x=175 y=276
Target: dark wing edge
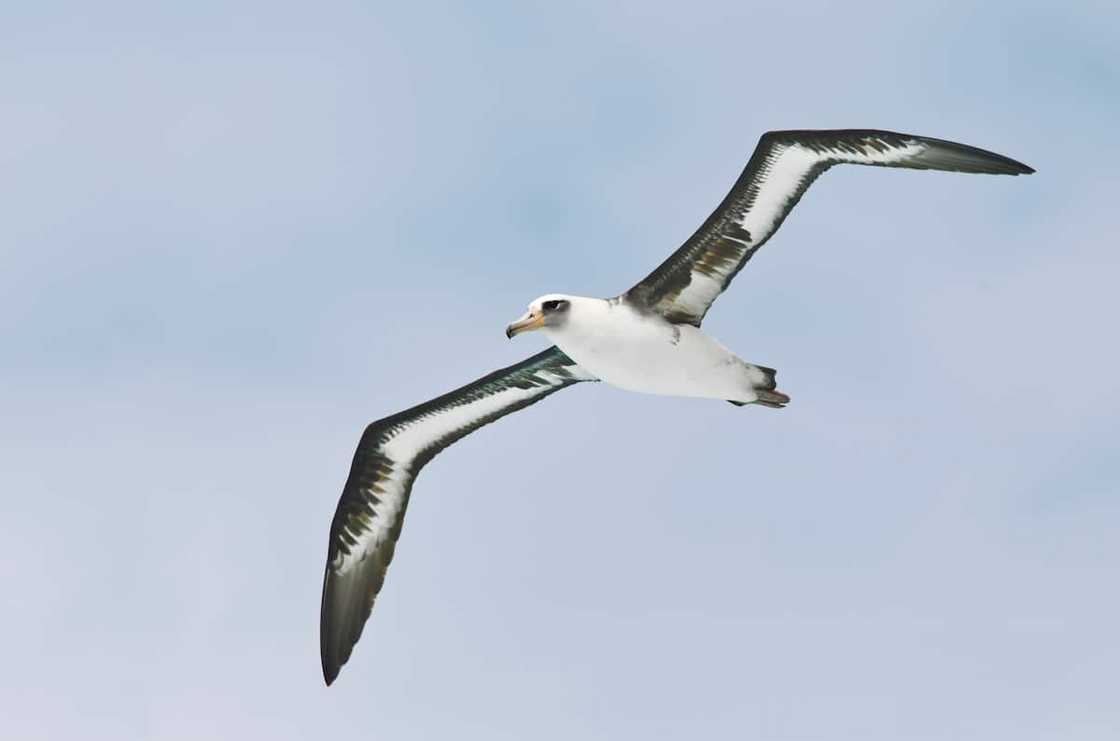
x=370 y=513
x=781 y=169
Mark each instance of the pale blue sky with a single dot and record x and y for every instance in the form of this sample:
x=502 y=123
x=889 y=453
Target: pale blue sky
x=230 y=238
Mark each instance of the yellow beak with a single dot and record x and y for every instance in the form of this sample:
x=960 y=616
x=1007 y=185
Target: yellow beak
x=526 y=323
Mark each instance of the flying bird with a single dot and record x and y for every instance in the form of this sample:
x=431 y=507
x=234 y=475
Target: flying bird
x=647 y=339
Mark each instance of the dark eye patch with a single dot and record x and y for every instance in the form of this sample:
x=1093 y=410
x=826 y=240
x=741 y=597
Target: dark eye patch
x=552 y=305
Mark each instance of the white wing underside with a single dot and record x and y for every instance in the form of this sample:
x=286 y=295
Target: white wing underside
x=410 y=442
x=370 y=513
x=782 y=168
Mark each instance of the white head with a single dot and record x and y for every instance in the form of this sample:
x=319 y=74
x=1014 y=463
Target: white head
x=550 y=311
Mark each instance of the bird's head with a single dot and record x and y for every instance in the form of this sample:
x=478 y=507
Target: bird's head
x=549 y=311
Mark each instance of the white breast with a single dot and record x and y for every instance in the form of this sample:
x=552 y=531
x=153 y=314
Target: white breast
x=644 y=352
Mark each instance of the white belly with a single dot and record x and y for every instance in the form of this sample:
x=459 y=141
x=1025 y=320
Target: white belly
x=648 y=354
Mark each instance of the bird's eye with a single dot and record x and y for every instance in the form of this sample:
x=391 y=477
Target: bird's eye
x=551 y=305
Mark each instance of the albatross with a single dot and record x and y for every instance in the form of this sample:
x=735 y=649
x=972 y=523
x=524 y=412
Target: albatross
x=647 y=339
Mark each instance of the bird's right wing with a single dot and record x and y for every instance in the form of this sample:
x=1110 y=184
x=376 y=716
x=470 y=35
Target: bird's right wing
x=390 y=454
x=783 y=166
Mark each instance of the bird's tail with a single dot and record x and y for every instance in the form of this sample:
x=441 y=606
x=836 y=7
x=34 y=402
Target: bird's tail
x=764 y=383
x=772 y=399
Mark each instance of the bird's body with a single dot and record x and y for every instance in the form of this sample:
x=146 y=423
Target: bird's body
x=647 y=339
x=637 y=350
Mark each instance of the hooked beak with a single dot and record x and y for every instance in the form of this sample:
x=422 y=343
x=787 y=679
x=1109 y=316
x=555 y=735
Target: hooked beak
x=526 y=323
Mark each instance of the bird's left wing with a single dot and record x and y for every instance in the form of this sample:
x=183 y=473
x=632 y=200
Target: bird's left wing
x=783 y=166
x=390 y=454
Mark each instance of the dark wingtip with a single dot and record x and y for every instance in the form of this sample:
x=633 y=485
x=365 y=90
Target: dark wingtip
x=1012 y=167
x=331 y=653
x=1018 y=168
x=954 y=156
x=331 y=666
